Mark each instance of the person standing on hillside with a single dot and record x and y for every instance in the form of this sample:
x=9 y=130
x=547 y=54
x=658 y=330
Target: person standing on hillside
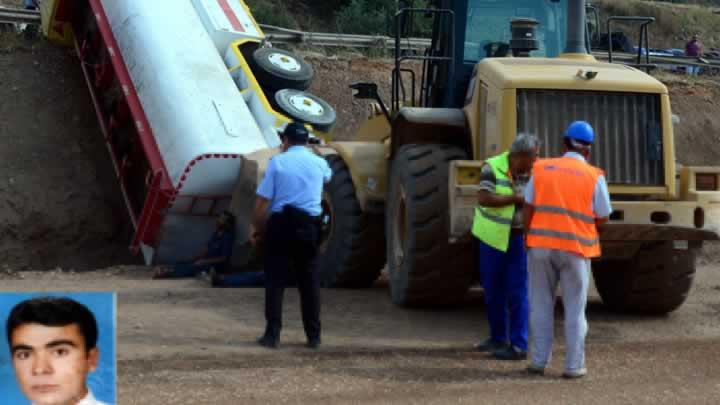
x=565 y=200
x=291 y=194
x=498 y=225
x=696 y=49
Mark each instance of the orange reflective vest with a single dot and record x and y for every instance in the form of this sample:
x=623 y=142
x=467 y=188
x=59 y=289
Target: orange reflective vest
x=563 y=218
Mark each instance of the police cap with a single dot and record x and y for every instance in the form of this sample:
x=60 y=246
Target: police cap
x=296 y=133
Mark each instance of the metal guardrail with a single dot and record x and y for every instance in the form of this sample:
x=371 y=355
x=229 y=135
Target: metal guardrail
x=19 y=16
x=631 y=58
x=287 y=36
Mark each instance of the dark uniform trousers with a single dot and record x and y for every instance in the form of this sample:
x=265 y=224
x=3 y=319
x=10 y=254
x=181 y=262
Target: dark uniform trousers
x=291 y=245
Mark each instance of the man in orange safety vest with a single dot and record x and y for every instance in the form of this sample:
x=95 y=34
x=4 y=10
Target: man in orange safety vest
x=565 y=200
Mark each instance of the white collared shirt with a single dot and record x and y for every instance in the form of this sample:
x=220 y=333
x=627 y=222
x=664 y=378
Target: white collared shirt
x=89 y=400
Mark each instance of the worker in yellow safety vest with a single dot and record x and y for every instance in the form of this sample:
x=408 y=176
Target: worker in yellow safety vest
x=565 y=201
x=498 y=225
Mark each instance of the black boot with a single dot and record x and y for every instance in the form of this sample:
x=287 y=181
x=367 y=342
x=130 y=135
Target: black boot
x=269 y=342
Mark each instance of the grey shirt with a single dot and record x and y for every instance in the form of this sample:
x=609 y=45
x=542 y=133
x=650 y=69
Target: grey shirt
x=488 y=182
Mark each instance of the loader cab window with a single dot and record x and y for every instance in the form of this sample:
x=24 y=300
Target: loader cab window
x=487 y=32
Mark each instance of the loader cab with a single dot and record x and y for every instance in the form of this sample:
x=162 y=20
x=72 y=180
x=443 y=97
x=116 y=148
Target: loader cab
x=473 y=30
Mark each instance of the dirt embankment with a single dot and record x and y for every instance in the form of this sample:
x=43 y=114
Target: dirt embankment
x=333 y=77
x=60 y=203
x=11 y=3
x=697 y=137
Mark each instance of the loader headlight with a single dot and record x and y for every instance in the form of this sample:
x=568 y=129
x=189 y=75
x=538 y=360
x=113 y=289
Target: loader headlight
x=706 y=181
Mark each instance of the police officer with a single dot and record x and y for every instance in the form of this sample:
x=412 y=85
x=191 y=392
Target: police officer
x=565 y=201
x=498 y=225
x=290 y=193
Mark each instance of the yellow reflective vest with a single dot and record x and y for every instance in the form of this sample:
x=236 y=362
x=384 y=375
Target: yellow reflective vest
x=492 y=225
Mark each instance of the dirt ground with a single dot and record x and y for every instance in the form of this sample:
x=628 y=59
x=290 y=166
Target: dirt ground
x=181 y=343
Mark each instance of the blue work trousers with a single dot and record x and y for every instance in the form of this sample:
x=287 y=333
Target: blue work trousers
x=504 y=277
x=187 y=270
x=239 y=280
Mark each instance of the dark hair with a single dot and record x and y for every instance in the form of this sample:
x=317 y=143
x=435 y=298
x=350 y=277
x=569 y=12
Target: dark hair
x=572 y=145
x=54 y=312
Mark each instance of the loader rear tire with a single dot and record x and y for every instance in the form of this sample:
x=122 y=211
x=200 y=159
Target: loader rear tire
x=656 y=281
x=276 y=69
x=424 y=268
x=352 y=252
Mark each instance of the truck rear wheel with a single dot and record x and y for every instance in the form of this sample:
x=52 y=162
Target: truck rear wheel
x=352 y=250
x=306 y=107
x=656 y=281
x=424 y=268
x=276 y=69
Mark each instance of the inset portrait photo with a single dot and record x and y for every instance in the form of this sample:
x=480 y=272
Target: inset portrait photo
x=57 y=348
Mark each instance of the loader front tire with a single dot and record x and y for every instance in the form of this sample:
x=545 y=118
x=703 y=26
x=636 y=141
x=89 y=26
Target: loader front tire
x=352 y=250
x=656 y=281
x=424 y=268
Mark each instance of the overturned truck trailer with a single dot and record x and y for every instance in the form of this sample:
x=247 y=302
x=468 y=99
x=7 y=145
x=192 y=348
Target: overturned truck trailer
x=187 y=98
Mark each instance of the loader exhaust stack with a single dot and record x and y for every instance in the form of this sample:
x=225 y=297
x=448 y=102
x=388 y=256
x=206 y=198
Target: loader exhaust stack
x=576 y=27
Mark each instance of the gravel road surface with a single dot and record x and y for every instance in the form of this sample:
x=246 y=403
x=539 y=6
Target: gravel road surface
x=183 y=343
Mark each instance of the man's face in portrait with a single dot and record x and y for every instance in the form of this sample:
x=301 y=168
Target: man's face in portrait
x=51 y=363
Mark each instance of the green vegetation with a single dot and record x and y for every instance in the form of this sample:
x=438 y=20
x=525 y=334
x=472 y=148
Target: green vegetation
x=370 y=17
x=272 y=13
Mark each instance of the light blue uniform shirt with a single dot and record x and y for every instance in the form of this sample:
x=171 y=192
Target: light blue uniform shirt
x=601 y=197
x=295 y=177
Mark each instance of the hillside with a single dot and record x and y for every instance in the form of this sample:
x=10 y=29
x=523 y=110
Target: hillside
x=675 y=20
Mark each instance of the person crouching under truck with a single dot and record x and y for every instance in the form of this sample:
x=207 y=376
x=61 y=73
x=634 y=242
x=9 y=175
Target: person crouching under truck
x=215 y=256
x=291 y=192
x=565 y=200
x=498 y=225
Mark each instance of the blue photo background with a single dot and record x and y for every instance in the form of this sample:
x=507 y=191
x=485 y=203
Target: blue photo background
x=102 y=381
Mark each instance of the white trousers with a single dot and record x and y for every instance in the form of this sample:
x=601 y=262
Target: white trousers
x=547 y=268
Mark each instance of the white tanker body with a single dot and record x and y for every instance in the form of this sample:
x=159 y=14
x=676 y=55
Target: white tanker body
x=175 y=90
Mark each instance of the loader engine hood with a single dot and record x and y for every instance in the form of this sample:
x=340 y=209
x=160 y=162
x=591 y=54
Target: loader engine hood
x=629 y=110
x=566 y=73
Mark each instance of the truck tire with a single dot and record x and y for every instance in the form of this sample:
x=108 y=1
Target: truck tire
x=276 y=69
x=352 y=252
x=424 y=268
x=656 y=281
x=307 y=108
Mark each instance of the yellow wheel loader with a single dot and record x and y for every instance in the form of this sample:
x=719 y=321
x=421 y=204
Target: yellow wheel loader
x=405 y=189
